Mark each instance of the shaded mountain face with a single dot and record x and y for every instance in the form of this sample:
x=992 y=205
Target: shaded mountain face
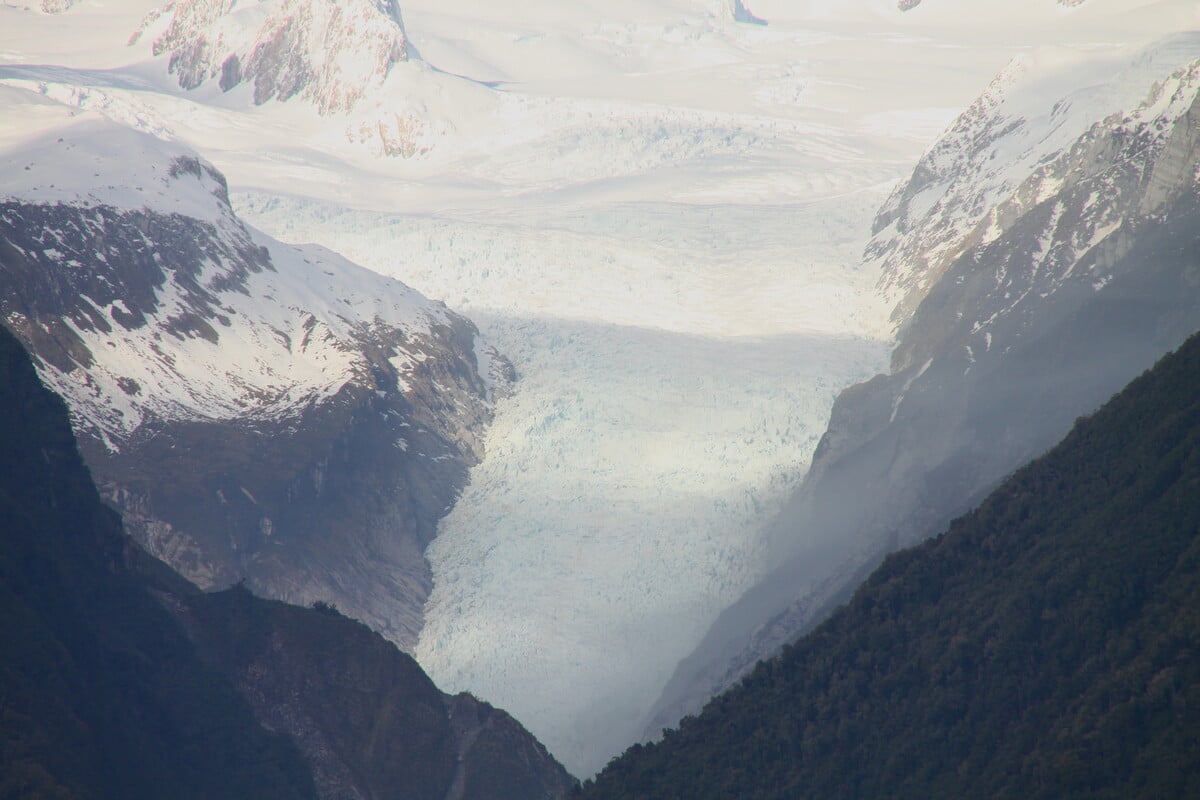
x=255 y=411
x=1038 y=285
x=1043 y=647
x=364 y=715
x=104 y=693
x=124 y=681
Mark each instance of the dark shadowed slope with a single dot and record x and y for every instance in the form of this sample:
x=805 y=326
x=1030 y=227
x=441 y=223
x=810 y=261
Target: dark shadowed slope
x=101 y=693
x=1044 y=647
x=369 y=721
x=120 y=679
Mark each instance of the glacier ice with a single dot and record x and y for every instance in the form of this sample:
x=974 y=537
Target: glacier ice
x=676 y=368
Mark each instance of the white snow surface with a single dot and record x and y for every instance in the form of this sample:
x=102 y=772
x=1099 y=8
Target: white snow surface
x=993 y=154
x=657 y=210
x=52 y=153
x=287 y=340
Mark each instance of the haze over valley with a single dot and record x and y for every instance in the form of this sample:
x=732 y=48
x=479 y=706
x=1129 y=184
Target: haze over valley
x=586 y=281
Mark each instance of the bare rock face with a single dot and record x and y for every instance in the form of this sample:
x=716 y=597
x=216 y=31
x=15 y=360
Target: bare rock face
x=1036 y=294
x=329 y=53
x=255 y=411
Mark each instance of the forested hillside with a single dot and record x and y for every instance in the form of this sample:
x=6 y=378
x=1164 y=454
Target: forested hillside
x=1045 y=646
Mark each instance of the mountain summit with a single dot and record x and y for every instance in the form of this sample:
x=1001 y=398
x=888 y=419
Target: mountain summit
x=329 y=53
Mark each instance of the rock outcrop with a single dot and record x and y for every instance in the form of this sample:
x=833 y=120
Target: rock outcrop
x=256 y=412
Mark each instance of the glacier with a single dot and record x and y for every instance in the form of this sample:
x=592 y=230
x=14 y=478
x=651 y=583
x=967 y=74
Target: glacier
x=657 y=211
x=657 y=424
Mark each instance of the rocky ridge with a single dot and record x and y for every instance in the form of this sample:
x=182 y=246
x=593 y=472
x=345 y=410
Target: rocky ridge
x=1003 y=155
x=335 y=56
x=126 y=681
x=329 y=53
x=363 y=714
x=256 y=411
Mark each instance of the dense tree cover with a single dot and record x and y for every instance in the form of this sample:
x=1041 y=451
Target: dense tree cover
x=101 y=692
x=1046 y=646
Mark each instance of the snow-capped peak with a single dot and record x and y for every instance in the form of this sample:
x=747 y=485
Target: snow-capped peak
x=330 y=53
x=57 y=154
x=183 y=311
x=1000 y=150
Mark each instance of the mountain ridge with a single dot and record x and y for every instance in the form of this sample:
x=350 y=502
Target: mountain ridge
x=285 y=48
x=257 y=411
x=124 y=680
x=1083 y=278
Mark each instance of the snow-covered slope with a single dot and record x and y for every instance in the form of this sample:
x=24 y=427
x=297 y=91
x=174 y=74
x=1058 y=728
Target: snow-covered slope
x=1000 y=157
x=615 y=188
x=54 y=158
x=328 y=53
x=218 y=379
x=1049 y=247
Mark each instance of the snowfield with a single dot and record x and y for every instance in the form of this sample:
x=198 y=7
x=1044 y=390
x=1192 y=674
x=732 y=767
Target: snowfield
x=656 y=211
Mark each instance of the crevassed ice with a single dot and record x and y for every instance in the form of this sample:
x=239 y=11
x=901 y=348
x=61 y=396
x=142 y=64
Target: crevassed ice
x=677 y=365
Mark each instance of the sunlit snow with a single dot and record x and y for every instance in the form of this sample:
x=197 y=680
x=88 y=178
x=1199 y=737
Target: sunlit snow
x=658 y=213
